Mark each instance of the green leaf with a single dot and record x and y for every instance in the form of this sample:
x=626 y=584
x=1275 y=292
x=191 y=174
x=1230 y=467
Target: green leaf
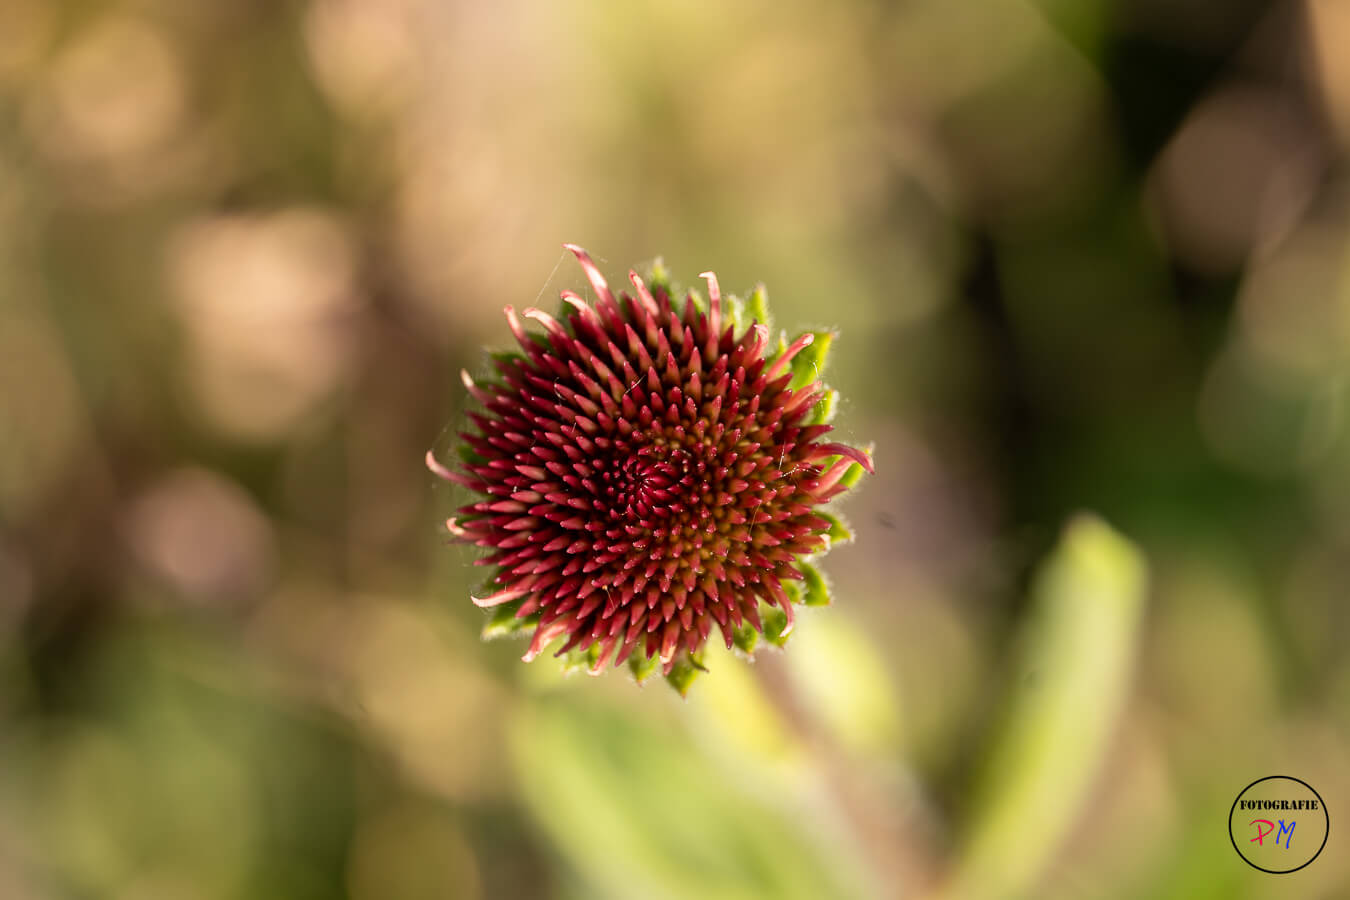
x=823 y=412
x=814 y=590
x=563 y=310
x=853 y=473
x=508 y=357
x=686 y=669
x=745 y=638
x=700 y=303
x=660 y=275
x=635 y=806
x=775 y=622
x=733 y=309
x=843 y=680
x=576 y=659
x=757 y=307
x=839 y=532
x=504 y=622
x=469 y=455
x=809 y=363
x=642 y=665
x=1080 y=646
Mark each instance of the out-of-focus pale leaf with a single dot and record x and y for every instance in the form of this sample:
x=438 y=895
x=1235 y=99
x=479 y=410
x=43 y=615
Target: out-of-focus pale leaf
x=744 y=721
x=841 y=677
x=638 y=811
x=187 y=773
x=1074 y=680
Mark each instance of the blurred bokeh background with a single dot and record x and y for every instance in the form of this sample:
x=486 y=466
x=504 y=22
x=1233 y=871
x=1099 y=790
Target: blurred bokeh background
x=1083 y=255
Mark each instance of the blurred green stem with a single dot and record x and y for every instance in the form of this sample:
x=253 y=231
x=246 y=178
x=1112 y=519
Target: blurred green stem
x=1080 y=644
x=894 y=843
x=1072 y=687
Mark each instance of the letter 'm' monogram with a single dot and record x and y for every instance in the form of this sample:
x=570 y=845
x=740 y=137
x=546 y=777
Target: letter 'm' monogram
x=1283 y=830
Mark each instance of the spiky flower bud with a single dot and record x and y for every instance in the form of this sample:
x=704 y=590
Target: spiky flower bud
x=646 y=474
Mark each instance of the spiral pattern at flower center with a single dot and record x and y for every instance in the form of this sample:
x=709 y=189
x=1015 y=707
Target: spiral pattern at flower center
x=652 y=484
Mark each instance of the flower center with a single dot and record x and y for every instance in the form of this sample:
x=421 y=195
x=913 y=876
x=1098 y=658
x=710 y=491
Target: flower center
x=653 y=483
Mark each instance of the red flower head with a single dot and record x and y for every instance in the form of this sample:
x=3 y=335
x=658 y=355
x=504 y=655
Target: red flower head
x=645 y=474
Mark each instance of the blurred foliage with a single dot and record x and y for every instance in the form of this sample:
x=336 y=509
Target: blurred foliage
x=1080 y=653
x=1074 y=255
x=639 y=812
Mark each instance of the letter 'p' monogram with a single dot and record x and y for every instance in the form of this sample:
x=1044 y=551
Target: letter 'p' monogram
x=1286 y=831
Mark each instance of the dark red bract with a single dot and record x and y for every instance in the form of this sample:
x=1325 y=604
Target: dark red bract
x=645 y=474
